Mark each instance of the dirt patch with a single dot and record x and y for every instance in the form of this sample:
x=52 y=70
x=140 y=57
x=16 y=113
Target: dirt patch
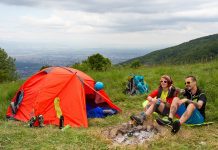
x=128 y=133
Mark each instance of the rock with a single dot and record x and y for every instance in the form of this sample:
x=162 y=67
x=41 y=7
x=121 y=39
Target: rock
x=119 y=139
x=139 y=128
x=113 y=132
x=122 y=131
x=149 y=127
x=136 y=134
x=129 y=134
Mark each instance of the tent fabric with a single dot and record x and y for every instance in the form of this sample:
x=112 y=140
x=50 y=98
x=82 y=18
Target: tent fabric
x=69 y=85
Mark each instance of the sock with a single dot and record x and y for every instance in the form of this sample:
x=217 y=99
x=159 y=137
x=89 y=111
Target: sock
x=143 y=115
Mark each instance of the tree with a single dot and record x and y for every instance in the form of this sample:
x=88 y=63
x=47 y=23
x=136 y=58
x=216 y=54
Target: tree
x=135 y=64
x=98 y=62
x=7 y=67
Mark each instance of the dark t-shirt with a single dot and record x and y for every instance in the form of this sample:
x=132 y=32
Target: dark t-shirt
x=199 y=95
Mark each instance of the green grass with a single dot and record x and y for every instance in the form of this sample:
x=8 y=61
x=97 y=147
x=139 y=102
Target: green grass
x=7 y=91
x=16 y=135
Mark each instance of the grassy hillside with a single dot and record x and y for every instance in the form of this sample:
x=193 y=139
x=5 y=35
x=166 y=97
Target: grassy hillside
x=17 y=135
x=199 y=50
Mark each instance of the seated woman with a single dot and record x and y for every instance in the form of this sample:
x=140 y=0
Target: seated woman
x=159 y=100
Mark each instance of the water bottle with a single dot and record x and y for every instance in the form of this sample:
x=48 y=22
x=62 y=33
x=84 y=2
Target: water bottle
x=61 y=123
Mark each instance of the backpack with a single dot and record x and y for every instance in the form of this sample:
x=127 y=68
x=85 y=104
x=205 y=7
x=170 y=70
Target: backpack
x=136 y=85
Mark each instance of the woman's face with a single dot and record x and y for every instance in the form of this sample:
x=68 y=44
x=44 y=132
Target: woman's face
x=163 y=83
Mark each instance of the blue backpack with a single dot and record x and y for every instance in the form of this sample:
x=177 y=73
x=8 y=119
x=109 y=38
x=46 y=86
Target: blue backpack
x=136 y=85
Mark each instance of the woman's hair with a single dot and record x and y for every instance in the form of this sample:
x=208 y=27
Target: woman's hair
x=169 y=80
x=171 y=90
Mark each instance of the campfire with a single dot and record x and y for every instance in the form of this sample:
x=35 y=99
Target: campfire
x=128 y=133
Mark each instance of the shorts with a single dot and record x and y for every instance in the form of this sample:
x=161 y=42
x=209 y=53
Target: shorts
x=196 y=117
x=165 y=112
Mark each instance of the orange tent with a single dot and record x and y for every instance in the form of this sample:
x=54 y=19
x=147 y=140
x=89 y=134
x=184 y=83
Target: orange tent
x=70 y=85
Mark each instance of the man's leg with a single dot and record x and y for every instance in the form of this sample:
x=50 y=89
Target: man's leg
x=187 y=114
x=190 y=116
x=181 y=110
x=174 y=107
x=195 y=118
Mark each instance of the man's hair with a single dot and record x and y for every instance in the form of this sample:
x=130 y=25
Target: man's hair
x=193 y=78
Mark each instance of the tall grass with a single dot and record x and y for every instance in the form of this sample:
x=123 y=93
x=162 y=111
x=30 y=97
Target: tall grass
x=18 y=135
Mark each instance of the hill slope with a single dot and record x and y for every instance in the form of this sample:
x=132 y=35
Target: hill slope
x=198 y=50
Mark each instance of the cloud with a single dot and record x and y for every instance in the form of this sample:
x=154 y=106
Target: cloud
x=109 y=21
x=79 y=21
x=21 y=2
x=105 y=6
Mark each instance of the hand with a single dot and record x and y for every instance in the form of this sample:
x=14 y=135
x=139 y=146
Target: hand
x=182 y=91
x=184 y=100
x=154 y=100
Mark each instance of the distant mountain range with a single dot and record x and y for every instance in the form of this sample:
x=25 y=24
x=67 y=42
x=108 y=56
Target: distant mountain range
x=30 y=61
x=197 y=50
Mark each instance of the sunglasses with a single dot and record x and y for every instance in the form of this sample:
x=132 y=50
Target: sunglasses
x=163 y=81
x=187 y=82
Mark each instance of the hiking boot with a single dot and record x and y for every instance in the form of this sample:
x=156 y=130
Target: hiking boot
x=137 y=120
x=164 y=121
x=13 y=108
x=32 y=121
x=41 y=121
x=176 y=126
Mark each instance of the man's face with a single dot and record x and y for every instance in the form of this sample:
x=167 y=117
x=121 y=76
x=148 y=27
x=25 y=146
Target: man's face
x=189 y=83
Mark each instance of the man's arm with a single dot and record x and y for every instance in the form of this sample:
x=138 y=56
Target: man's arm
x=198 y=104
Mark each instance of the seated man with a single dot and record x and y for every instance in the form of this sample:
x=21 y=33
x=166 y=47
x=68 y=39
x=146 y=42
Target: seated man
x=190 y=109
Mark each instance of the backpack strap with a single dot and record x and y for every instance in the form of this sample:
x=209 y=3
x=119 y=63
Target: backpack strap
x=159 y=92
x=171 y=92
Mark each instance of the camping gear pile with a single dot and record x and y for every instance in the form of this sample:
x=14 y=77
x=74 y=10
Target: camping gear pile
x=59 y=96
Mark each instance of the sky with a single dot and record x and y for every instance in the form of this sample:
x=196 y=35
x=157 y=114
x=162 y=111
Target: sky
x=121 y=24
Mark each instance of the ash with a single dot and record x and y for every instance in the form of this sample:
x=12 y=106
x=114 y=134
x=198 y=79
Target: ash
x=128 y=134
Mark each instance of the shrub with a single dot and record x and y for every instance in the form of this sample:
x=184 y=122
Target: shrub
x=98 y=62
x=82 y=66
x=94 y=62
x=135 y=64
